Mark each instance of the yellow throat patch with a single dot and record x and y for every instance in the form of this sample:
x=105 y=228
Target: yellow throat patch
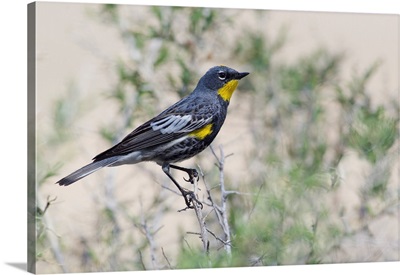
x=203 y=132
x=228 y=89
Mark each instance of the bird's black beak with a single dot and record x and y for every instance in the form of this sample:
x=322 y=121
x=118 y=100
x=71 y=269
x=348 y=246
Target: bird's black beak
x=240 y=75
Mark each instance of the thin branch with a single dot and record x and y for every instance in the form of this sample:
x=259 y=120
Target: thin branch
x=141 y=259
x=112 y=206
x=52 y=237
x=193 y=233
x=255 y=203
x=218 y=238
x=222 y=209
x=169 y=189
x=149 y=234
x=201 y=220
x=48 y=203
x=165 y=257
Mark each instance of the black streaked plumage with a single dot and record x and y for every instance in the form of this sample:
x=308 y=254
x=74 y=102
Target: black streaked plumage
x=178 y=133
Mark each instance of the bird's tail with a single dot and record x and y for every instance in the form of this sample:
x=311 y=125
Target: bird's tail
x=87 y=170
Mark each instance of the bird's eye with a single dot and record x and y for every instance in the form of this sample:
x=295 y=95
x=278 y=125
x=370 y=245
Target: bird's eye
x=222 y=75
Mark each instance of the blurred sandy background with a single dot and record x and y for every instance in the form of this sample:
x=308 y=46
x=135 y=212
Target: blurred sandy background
x=73 y=47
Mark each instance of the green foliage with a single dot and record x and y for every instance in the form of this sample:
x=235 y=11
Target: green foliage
x=259 y=50
x=373 y=133
x=65 y=112
x=310 y=72
x=201 y=20
x=291 y=221
x=288 y=220
x=283 y=211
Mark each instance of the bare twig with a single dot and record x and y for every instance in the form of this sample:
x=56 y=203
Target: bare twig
x=48 y=203
x=218 y=238
x=150 y=239
x=193 y=233
x=52 y=237
x=141 y=260
x=201 y=220
x=188 y=245
x=111 y=204
x=222 y=209
x=255 y=203
x=169 y=189
x=147 y=231
x=165 y=257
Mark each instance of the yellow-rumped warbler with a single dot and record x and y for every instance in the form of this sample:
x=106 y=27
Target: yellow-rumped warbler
x=178 y=133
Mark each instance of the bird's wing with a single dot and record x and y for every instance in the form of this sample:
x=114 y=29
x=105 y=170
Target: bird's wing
x=160 y=130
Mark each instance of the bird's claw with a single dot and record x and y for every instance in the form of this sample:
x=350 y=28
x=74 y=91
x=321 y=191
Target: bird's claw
x=190 y=199
x=193 y=174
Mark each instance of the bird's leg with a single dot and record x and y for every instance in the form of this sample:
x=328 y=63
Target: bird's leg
x=189 y=196
x=192 y=173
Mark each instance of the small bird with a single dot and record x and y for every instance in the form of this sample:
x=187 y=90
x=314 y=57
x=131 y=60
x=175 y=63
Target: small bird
x=178 y=133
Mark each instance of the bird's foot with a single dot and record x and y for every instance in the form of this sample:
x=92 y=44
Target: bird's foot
x=190 y=199
x=193 y=174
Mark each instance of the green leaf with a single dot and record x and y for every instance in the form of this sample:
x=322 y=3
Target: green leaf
x=372 y=133
x=162 y=56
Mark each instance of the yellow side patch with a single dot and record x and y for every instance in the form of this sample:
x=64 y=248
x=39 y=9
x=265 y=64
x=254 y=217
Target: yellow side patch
x=227 y=91
x=202 y=133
